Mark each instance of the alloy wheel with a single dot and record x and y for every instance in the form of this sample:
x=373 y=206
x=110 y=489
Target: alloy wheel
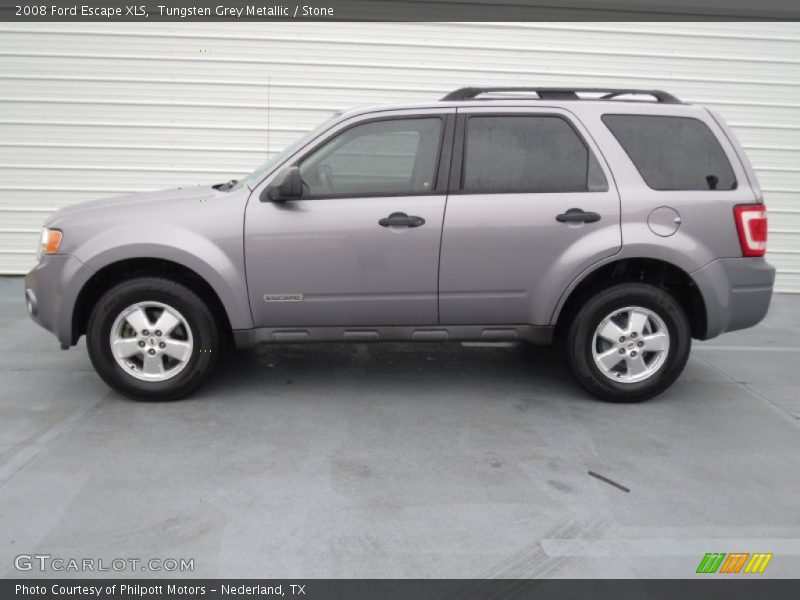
x=630 y=345
x=151 y=341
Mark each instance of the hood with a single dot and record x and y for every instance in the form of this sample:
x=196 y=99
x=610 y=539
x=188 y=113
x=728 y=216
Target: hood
x=123 y=204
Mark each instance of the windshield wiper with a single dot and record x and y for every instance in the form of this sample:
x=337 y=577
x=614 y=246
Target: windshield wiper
x=224 y=187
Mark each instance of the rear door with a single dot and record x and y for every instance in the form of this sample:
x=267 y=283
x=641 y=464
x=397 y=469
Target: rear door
x=532 y=203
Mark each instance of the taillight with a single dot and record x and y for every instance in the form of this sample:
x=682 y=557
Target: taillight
x=751 y=223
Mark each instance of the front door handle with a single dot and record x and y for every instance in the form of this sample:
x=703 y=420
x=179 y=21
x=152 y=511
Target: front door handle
x=401 y=219
x=577 y=215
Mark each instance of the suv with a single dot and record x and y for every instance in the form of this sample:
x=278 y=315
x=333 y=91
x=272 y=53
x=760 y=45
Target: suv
x=622 y=223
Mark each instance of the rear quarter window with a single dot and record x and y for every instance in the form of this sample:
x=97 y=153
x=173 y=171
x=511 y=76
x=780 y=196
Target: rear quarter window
x=673 y=153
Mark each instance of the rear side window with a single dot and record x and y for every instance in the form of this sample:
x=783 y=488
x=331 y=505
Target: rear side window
x=673 y=153
x=528 y=154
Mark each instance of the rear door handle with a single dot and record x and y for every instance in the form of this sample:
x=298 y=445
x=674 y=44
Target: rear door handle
x=401 y=219
x=577 y=215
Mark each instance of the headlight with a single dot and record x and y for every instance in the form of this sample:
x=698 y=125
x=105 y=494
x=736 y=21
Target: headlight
x=49 y=243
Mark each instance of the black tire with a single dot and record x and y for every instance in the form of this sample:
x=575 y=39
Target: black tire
x=580 y=337
x=207 y=338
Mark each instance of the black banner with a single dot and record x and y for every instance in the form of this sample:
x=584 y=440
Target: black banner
x=734 y=588
x=397 y=10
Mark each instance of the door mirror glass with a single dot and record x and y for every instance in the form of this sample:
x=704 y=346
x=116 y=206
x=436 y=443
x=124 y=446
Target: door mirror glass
x=287 y=185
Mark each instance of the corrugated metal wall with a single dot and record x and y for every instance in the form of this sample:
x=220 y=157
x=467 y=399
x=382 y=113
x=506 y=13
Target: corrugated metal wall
x=92 y=110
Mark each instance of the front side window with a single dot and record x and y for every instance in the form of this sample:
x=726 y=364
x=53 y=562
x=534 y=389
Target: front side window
x=673 y=153
x=527 y=154
x=379 y=158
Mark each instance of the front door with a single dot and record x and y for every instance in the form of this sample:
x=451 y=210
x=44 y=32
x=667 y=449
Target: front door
x=530 y=206
x=361 y=247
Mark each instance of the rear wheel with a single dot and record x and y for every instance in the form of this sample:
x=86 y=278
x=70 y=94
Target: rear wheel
x=153 y=339
x=628 y=342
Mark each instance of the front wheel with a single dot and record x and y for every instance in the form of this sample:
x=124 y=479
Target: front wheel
x=629 y=342
x=152 y=339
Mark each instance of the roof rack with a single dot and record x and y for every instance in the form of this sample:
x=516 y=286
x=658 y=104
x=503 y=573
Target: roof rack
x=556 y=93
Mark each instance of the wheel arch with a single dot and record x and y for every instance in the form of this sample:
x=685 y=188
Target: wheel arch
x=130 y=268
x=660 y=273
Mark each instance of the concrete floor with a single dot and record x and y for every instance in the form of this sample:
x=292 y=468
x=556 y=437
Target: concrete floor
x=403 y=461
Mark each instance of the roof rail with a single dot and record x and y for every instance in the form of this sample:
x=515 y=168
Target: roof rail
x=557 y=93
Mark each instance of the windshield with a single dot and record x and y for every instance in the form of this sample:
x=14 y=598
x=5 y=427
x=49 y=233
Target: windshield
x=254 y=177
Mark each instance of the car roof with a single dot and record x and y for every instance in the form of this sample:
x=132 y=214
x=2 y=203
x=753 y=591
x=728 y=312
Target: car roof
x=575 y=106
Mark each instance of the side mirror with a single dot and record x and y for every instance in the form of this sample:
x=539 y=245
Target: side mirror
x=287 y=185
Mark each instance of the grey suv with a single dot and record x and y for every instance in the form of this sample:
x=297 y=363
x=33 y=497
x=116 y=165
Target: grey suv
x=622 y=223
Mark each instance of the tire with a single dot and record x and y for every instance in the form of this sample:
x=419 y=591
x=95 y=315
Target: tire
x=644 y=369
x=196 y=340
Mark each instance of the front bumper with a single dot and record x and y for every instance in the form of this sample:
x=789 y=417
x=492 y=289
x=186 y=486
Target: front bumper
x=51 y=292
x=736 y=291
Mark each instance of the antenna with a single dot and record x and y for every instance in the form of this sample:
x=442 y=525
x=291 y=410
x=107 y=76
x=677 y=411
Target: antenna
x=269 y=125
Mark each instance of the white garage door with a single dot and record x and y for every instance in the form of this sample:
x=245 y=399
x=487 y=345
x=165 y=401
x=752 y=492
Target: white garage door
x=89 y=110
